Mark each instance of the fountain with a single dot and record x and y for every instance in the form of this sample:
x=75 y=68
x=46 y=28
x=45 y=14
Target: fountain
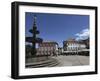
x=35 y=60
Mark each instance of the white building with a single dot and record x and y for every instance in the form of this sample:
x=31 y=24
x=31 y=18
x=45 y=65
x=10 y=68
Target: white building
x=72 y=46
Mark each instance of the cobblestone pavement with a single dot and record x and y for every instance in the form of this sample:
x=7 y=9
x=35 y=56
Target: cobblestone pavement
x=73 y=60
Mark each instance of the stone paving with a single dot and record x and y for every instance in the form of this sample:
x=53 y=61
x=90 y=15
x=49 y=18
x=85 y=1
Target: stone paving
x=73 y=60
x=61 y=60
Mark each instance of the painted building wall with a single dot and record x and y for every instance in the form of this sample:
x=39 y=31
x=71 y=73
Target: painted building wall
x=72 y=45
x=47 y=48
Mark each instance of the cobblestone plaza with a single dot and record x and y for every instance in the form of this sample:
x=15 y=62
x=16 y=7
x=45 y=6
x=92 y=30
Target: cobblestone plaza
x=73 y=60
x=60 y=61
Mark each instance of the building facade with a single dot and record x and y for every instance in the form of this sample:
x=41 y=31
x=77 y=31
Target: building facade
x=48 y=48
x=73 y=46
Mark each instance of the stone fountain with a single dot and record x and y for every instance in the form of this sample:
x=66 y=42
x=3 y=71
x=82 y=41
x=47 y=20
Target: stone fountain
x=34 y=60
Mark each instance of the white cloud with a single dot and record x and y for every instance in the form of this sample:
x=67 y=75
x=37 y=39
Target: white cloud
x=84 y=34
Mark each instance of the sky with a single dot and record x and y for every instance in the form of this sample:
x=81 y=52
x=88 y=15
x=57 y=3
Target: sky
x=58 y=27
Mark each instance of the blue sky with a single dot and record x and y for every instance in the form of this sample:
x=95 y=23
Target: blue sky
x=58 y=27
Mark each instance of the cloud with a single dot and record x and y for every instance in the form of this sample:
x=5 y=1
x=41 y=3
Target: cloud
x=84 y=34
